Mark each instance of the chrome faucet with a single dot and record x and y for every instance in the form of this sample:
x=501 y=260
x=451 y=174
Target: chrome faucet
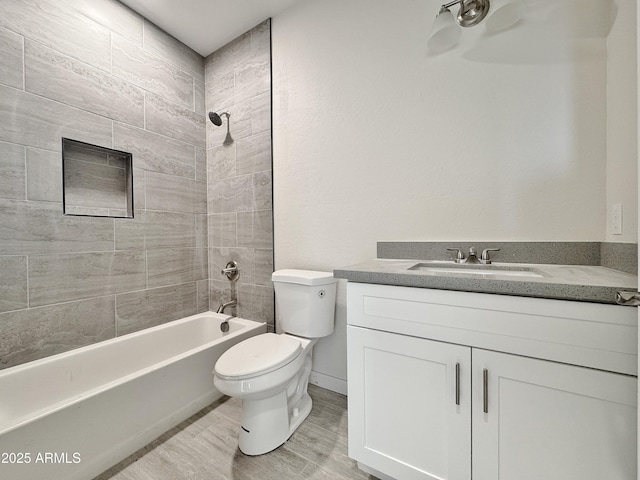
x=230 y=303
x=472 y=258
x=485 y=259
x=459 y=255
x=231 y=271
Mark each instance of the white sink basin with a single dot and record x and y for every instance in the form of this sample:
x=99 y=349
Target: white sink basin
x=478 y=270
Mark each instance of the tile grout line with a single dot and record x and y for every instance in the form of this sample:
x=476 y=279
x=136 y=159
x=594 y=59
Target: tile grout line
x=110 y=52
x=24 y=65
x=26 y=173
x=66 y=302
x=28 y=291
x=144 y=110
x=146 y=269
x=115 y=315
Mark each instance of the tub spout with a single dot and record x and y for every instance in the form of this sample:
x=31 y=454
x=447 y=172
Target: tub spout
x=231 y=303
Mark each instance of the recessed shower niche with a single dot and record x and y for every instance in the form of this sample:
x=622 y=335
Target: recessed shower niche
x=96 y=181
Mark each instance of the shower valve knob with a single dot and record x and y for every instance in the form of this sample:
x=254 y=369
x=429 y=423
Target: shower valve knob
x=231 y=271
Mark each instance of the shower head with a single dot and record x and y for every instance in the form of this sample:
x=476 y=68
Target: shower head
x=215 y=118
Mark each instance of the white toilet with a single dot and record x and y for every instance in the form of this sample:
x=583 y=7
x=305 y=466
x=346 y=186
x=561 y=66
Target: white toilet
x=270 y=372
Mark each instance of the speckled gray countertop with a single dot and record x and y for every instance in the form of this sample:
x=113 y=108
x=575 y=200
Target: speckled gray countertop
x=565 y=282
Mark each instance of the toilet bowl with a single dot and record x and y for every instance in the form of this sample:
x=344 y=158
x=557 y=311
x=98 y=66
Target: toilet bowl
x=274 y=396
x=270 y=372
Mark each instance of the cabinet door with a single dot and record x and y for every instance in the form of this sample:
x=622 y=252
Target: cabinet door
x=403 y=416
x=551 y=421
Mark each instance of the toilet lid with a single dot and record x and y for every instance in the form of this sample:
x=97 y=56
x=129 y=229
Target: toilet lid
x=257 y=355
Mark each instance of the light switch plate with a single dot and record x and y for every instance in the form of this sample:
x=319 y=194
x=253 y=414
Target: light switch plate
x=616 y=219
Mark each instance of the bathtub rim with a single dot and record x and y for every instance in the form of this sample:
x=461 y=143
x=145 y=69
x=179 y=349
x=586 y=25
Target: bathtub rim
x=70 y=401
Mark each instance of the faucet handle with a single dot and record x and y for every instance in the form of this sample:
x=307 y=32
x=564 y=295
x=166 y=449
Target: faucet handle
x=231 y=271
x=459 y=254
x=485 y=258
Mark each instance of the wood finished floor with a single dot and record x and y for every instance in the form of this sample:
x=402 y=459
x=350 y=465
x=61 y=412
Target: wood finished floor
x=205 y=446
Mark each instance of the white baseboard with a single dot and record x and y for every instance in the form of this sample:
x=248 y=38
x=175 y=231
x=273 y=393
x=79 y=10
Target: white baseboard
x=374 y=472
x=334 y=384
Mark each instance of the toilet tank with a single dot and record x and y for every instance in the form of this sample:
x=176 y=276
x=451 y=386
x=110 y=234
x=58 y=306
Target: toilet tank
x=305 y=302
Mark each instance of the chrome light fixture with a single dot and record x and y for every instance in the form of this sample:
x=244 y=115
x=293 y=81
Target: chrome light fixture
x=471 y=12
x=445 y=33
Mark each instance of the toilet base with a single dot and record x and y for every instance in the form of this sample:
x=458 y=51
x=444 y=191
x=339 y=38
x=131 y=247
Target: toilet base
x=269 y=422
x=264 y=427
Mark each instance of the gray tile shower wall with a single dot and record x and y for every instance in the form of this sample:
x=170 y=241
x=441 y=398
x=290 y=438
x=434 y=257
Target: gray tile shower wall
x=99 y=73
x=238 y=81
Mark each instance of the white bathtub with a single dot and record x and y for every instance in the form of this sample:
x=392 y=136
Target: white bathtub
x=75 y=414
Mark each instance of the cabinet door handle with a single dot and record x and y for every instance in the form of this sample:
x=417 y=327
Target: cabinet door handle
x=485 y=390
x=457 y=384
x=628 y=298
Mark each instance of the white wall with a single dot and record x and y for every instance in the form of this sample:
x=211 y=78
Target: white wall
x=502 y=138
x=622 y=122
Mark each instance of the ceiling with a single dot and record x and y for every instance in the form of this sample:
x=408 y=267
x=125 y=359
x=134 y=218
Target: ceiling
x=207 y=25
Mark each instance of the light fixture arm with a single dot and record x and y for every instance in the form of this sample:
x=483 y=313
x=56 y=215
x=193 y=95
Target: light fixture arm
x=451 y=4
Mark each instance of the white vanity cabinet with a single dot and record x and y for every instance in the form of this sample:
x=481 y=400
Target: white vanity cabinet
x=403 y=416
x=455 y=385
x=552 y=421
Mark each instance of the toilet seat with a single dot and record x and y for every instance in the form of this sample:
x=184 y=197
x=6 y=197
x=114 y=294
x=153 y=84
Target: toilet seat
x=257 y=355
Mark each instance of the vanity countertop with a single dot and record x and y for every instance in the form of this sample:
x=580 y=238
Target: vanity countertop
x=564 y=282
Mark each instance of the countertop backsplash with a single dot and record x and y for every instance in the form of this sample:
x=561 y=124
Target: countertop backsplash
x=618 y=256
